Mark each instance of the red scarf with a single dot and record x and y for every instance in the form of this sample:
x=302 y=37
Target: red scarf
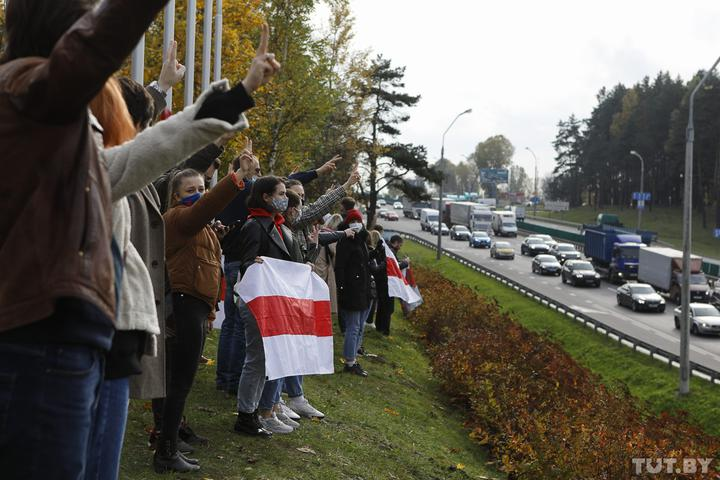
x=261 y=212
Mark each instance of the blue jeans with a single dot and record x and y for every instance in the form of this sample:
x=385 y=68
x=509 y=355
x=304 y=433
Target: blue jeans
x=48 y=394
x=354 y=329
x=270 y=394
x=108 y=431
x=252 y=380
x=293 y=386
x=231 y=345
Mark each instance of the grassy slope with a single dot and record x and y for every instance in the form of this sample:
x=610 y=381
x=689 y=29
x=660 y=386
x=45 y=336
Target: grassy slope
x=647 y=379
x=395 y=424
x=666 y=221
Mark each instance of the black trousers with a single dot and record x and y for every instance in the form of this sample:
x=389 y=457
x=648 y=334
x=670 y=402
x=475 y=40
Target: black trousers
x=182 y=356
x=385 y=309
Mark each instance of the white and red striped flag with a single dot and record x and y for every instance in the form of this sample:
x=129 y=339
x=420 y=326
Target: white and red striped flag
x=292 y=308
x=397 y=283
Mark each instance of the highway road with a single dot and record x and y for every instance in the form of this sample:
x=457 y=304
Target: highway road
x=599 y=303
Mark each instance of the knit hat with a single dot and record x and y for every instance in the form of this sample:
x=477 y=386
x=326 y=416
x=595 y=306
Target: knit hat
x=353 y=215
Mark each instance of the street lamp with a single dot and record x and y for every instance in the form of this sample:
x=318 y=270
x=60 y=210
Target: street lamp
x=535 y=190
x=684 y=388
x=440 y=201
x=642 y=188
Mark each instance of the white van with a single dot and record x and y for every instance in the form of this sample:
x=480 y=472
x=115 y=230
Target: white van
x=428 y=216
x=503 y=223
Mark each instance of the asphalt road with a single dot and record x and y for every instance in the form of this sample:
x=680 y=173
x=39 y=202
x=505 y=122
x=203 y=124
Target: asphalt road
x=599 y=303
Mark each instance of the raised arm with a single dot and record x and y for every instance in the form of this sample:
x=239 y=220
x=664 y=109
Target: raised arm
x=325 y=203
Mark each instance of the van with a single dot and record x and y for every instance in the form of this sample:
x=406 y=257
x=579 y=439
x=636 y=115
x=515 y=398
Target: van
x=503 y=223
x=428 y=216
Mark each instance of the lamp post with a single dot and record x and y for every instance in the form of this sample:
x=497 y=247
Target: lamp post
x=684 y=387
x=440 y=201
x=642 y=188
x=535 y=190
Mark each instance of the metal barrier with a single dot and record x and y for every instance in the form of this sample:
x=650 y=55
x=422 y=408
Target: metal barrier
x=671 y=359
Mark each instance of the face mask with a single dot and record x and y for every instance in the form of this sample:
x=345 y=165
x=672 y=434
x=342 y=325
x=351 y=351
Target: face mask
x=356 y=226
x=254 y=178
x=279 y=204
x=191 y=199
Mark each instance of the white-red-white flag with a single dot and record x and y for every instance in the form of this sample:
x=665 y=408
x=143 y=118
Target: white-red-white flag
x=292 y=307
x=397 y=283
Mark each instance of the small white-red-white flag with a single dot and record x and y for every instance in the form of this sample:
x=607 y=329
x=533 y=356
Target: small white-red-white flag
x=397 y=283
x=292 y=307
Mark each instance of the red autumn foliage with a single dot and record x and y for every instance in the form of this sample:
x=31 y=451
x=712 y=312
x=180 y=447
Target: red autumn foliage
x=542 y=414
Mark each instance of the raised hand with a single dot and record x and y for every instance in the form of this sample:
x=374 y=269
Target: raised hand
x=315 y=234
x=329 y=166
x=353 y=179
x=263 y=66
x=172 y=71
x=247 y=165
x=349 y=233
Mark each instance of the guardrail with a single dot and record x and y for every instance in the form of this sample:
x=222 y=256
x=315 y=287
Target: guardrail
x=637 y=345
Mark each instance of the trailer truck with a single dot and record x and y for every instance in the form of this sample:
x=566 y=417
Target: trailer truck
x=614 y=252
x=472 y=215
x=662 y=268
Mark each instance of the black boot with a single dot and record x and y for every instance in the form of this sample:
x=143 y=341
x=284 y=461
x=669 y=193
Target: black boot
x=168 y=459
x=187 y=435
x=249 y=424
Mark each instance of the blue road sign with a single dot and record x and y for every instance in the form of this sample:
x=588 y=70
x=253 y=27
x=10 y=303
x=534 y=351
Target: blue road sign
x=494 y=175
x=641 y=196
x=535 y=200
x=717 y=233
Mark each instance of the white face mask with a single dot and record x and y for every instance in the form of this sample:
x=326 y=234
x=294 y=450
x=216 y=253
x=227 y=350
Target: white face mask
x=356 y=226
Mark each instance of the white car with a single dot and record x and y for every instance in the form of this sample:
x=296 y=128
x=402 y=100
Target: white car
x=705 y=318
x=547 y=239
x=397 y=206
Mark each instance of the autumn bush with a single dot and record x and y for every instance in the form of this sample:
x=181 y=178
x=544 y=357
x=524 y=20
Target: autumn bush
x=542 y=414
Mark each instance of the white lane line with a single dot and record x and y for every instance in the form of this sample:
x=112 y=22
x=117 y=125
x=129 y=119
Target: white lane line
x=573 y=295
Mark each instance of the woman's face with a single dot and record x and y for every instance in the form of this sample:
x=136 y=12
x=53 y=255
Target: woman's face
x=190 y=186
x=292 y=214
x=278 y=200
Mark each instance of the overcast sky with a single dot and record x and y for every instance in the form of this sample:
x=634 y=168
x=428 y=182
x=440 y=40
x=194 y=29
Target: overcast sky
x=523 y=65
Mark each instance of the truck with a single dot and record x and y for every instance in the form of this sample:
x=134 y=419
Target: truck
x=662 y=268
x=614 y=251
x=519 y=211
x=411 y=209
x=428 y=217
x=490 y=202
x=472 y=215
x=503 y=223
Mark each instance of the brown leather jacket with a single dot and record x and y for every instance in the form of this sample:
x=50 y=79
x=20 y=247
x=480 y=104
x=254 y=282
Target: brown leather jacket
x=55 y=228
x=191 y=246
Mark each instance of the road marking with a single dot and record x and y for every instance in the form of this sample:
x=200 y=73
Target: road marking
x=558 y=288
x=573 y=295
x=612 y=289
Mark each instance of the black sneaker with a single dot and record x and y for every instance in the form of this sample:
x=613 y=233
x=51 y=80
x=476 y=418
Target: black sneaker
x=361 y=351
x=187 y=435
x=355 y=369
x=249 y=424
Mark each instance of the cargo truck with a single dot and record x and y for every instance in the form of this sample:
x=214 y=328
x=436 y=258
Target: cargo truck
x=519 y=212
x=503 y=223
x=614 y=252
x=662 y=268
x=472 y=215
x=412 y=209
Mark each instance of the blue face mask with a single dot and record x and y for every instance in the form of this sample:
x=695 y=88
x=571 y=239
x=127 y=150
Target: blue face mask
x=279 y=204
x=191 y=199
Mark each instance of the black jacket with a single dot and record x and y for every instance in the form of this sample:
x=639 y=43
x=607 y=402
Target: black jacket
x=259 y=238
x=352 y=272
x=378 y=269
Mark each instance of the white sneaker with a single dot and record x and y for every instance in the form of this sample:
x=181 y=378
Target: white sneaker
x=286 y=420
x=274 y=425
x=289 y=412
x=303 y=408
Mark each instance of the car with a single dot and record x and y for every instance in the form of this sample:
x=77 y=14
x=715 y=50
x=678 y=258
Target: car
x=398 y=205
x=565 y=251
x=640 y=296
x=543 y=264
x=381 y=202
x=705 y=318
x=382 y=213
x=480 y=239
x=502 y=250
x=459 y=232
x=579 y=272
x=547 y=239
x=392 y=216
x=533 y=246
x=444 y=228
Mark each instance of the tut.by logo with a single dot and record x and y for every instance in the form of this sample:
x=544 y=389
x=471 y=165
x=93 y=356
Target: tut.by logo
x=671 y=465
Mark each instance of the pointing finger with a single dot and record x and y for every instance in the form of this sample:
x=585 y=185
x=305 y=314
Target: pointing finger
x=172 y=52
x=264 y=40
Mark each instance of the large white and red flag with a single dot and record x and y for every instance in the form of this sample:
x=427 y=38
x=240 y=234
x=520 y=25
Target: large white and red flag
x=397 y=283
x=292 y=308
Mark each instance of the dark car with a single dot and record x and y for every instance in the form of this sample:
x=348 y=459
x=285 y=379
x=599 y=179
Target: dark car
x=543 y=264
x=580 y=272
x=565 y=251
x=443 y=228
x=480 y=240
x=640 y=296
x=533 y=246
x=705 y=318
x=502 y=250
x=459 y=232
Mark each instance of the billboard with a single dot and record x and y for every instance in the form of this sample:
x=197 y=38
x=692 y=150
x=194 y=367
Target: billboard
x=494 y=175
x=557 y=206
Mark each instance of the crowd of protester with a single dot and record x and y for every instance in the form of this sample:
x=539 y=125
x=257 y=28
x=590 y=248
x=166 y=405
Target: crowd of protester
x=117 y=246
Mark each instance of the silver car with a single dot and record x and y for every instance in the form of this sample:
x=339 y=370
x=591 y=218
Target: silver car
x=705 y=318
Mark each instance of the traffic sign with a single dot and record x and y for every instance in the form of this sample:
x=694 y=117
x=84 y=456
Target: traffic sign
x=641 y=196
x=535 y=200
x=717 y=233
x=641 y=204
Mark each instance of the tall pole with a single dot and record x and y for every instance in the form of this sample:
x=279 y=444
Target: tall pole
x=137 y=65
x=684 y=388
x=190 y=51
x=168 y=36
x=218 y=40
x=440 y=201
x=535 y=190
x=207 y=43
x=641 y=206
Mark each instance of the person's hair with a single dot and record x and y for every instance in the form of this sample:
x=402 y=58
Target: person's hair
x=379 y=228
x=177 y=180
x=216 y=164
x=263 y=185
x=334 y=221
x=348 y=203
x=292 y=182
x=139 y=102
x=373 y=238
x=235 y=163
x=395 y=238
x=109 y=108
x=33 y=27
x=294 y=199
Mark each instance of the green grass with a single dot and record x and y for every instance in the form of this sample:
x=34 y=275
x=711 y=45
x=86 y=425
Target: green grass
x=652 y=382
x=395 y=424
x=666 y=221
